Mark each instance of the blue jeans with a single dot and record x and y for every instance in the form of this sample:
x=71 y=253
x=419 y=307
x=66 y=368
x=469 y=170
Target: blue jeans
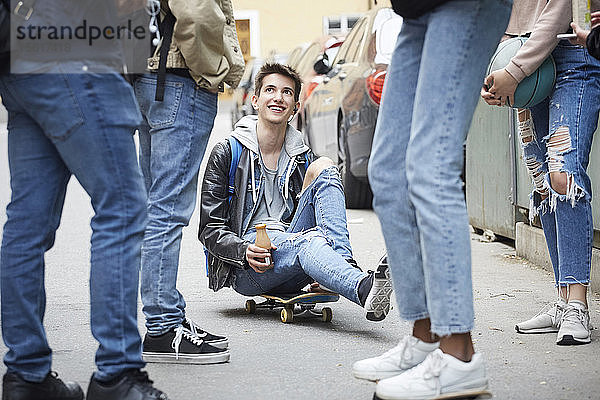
x=429 y=98
x=173 y=139
x=314 y=248
x=61 y=125
x=571 y=111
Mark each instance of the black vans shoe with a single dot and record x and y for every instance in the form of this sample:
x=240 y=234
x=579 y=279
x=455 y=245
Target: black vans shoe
x=220 y=342
x=51 y=388
x=131 y=385
x=181 y=346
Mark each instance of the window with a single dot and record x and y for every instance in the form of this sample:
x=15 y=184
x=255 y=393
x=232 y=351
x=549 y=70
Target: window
x=339 y=24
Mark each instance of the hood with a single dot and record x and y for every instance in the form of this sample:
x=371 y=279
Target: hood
x=245 y=132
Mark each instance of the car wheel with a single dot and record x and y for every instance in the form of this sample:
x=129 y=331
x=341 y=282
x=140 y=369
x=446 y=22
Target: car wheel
x=358 y=193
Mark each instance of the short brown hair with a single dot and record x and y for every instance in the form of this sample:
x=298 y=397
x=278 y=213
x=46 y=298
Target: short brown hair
x=276 y=68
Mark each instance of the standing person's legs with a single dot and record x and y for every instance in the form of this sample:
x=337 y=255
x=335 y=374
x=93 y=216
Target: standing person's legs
x=422 y=212
x=173 y=139
x=172 y=143
x=90 y=120
x=573 y=120
x=533 y=130
x=38 y=184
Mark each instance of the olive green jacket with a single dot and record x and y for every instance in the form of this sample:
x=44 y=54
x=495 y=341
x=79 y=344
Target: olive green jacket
x=204 y=41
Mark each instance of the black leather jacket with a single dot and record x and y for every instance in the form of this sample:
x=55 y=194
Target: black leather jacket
x=221 y=223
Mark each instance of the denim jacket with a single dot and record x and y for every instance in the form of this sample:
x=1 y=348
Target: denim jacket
x=223 y=224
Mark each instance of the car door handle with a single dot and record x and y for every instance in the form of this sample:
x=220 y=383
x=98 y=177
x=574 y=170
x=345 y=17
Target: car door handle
x=343 y=75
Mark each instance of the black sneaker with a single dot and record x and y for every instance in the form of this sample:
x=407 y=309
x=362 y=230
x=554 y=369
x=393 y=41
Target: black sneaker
x=377 y=303
x=131 y=385
x=181 y=346
x=214 y=340
x=51 y=388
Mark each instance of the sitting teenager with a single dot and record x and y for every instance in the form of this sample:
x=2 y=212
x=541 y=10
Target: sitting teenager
x=303 y=208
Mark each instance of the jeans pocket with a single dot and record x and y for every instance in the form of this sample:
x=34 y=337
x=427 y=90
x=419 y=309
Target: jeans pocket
x=50 y=100
x=160 y=114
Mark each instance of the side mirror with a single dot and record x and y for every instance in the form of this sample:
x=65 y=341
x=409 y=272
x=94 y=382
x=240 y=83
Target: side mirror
x=321 y=66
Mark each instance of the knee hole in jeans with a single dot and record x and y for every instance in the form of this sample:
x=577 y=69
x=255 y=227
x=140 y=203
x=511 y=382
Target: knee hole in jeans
x=314 y=169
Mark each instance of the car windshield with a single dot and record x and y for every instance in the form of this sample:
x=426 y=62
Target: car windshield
x=386 y=26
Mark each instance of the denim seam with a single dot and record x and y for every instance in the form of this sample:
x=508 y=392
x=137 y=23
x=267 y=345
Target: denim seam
x=452 y=82
x=180 y=189
x=102 y=129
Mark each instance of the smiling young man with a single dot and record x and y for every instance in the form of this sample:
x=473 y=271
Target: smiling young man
x=303 y=208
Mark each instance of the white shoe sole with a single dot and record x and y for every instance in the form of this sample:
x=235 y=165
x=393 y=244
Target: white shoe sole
x=536 y=330
x=375 y=376
x=219 y=344
x=569 y=340
x=211 y=358
x=479 y=394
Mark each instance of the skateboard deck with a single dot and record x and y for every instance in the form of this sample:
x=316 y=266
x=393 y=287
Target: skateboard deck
x=296 y=304
x=472 y=395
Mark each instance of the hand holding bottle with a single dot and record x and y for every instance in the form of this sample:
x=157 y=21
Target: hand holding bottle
x=258 y=254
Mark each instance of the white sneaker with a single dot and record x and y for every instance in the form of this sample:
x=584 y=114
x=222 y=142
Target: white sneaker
x=409 y=353
x=546 y=321
x=439 y=376
x=575 y=327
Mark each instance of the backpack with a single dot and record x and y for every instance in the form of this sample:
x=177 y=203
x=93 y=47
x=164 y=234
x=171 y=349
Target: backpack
x=236 y=152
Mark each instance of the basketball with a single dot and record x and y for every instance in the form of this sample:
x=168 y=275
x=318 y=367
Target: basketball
x=534 y=88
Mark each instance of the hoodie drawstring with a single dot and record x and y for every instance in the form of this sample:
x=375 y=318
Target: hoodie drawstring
x=254 y=196
x=287 y=179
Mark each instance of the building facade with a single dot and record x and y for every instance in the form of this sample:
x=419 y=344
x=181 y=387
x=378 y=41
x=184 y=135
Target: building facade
x=269 y=27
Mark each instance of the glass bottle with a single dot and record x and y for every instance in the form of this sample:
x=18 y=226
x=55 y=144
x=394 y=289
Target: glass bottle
x=262 y=240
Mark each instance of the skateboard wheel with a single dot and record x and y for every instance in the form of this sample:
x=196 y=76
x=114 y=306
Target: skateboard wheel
x=250 y=306
x=327 y=314
x=287 y=315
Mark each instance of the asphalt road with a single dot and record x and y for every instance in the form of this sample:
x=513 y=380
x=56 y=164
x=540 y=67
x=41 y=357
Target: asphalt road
x=311 y=359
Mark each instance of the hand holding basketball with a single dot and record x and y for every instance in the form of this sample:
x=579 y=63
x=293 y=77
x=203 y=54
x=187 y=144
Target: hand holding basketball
x=502 y=86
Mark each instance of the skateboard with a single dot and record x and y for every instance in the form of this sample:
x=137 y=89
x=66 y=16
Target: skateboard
x=304 y=302
x=471 y=395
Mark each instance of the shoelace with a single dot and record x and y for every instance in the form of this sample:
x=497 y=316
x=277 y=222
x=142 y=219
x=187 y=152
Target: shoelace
x=195 y=328
x=403 y=351
x=144 y=383
x=573 y=315
x=429 y=369
x=550 y=309
x=181 y=333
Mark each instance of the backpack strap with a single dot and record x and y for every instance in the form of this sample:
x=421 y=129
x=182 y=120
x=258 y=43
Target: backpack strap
x=166 y=30
x=236 y=152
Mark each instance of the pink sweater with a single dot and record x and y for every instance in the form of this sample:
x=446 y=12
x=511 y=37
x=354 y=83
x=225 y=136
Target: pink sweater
x=544 y=19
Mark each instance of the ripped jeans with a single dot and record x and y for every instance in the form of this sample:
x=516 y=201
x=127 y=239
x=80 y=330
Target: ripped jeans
x=315 y=247
x=556 y=136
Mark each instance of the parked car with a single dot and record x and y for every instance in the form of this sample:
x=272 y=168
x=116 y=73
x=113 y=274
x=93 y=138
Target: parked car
x=327 y=46
x=295 y=55
x=340 y=113
x=242 y=95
